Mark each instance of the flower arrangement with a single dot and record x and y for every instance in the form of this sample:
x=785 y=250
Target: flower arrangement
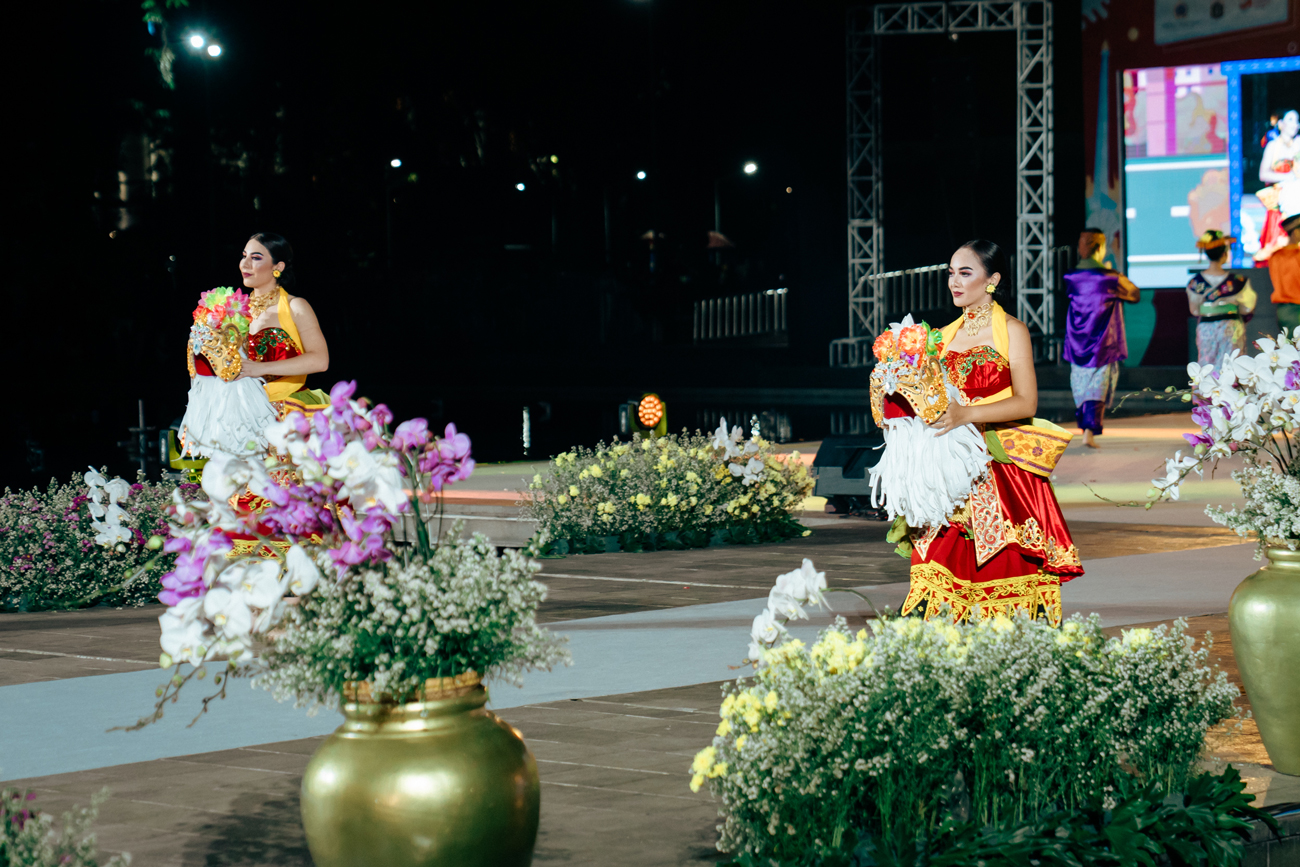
x=377 y=602
x=884 y=731
x=29 y=838
x=1249 y=409
x=74 y=544
x=222 y=309
x=670 y=491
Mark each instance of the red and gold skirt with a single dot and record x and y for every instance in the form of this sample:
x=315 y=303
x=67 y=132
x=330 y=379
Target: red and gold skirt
x=1008 y=549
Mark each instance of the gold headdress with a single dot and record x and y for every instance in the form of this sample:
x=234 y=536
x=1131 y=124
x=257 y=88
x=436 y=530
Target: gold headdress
x=907 y=364
x=220 y=326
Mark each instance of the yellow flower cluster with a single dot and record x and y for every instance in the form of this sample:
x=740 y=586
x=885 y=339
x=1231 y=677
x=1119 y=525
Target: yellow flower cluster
x=705 y=767
x=835 y=654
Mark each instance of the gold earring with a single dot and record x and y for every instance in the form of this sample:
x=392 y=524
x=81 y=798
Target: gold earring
x=992 y=287
x=276 y=273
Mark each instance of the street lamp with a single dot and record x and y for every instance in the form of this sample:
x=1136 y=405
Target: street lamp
x=640 y=176
x=395 y=163
x=197 y=41
x=750 y=168
x=214 y=50
x=520 y=187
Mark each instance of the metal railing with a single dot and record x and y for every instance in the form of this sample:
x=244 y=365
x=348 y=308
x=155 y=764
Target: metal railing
x=756 y=314
x=923 y=290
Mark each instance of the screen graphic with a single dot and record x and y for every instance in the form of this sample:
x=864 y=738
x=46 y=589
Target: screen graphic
x=1176 y=173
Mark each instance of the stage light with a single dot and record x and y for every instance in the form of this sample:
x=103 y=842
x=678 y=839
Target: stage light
x=197 y=41
x=397 y=164
x=789 y=189
x=640 y=176
x=750 y=168
x=554 y=158
x=519 y=187
x=214 y=50
x=650 y=411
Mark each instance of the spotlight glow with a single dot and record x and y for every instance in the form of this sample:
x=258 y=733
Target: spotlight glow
x=750 y=168
x=214 y=51
x=640 y=176
x=397 y=164
x=197 y=41
x=519 y=187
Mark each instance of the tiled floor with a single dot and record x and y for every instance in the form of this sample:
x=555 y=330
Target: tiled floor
x=613 y=768
x=614 y=790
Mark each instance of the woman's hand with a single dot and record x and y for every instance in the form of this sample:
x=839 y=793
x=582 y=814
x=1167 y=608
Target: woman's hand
x=954 y=417
x=249 y=369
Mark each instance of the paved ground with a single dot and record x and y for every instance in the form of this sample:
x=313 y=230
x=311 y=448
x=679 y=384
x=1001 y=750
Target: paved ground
x=612 y=748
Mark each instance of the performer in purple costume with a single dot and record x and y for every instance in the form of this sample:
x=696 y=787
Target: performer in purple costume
x=1094 y=332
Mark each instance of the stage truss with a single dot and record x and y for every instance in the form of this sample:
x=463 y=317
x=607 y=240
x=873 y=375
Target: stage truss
x=1031 y=20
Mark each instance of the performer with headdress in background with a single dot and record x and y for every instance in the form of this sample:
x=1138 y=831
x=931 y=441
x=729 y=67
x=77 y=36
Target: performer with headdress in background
x=1221 y=301
x=1278 y=169
x=1095 y=342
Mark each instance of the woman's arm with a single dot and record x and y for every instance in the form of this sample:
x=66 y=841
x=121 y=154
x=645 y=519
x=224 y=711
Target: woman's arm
x=1023 y=402
x=1194 y=301
x=315 y=357
x=1266 y=173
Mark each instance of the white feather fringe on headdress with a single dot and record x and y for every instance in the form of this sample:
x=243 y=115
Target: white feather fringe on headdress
x=926 y=477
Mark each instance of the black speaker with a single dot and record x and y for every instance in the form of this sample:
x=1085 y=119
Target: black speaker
x=840 y=468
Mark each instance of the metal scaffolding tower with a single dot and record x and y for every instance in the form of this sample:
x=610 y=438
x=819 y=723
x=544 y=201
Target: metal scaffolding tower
x=1031 y=20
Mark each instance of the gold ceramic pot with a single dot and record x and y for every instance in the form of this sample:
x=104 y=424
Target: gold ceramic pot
x=435 y=782
x=1265 y=619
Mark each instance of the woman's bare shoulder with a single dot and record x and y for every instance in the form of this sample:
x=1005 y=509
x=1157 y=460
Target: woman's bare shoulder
x=1015 y=326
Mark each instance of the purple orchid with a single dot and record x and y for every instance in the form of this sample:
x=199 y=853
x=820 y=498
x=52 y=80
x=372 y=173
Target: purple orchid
x=1292 y=381
x=411 y=434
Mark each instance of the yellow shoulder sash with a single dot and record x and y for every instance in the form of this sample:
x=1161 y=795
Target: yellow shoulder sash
x=283 y=386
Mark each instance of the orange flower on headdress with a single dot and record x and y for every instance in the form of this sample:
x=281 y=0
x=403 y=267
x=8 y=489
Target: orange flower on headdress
x=912 y=339
x=884 y=346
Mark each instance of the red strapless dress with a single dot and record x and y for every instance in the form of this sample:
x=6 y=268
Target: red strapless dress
x=1008 y=548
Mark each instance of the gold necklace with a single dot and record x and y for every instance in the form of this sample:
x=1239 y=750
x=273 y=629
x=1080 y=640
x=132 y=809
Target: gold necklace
x=260 y=303
x=976 y=319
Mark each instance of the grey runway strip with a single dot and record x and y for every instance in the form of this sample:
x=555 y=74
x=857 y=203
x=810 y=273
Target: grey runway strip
x=59 y=726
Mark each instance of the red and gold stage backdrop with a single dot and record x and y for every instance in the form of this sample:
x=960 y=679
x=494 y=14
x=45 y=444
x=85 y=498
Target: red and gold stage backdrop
x=1166 y=116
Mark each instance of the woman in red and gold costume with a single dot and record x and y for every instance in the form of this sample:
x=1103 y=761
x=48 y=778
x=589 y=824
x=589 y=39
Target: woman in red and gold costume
x=1008 y=548
x=284 y=339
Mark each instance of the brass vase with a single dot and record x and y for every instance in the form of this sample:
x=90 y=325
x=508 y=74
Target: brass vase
x=440 y=781
x=1264 y=616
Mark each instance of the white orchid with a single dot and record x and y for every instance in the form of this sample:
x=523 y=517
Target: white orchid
x=228 y=611
x=258 y=582
x=749 y=473
x=117 y=490
x=1173 y=474
x=184 y=634
x=726 y=442
x=225 y=476
x=780 y=603
x=766 y=628
x=301 y=571
x=814 y=583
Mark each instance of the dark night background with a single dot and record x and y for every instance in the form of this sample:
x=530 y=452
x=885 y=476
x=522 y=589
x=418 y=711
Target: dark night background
x=495 y=298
